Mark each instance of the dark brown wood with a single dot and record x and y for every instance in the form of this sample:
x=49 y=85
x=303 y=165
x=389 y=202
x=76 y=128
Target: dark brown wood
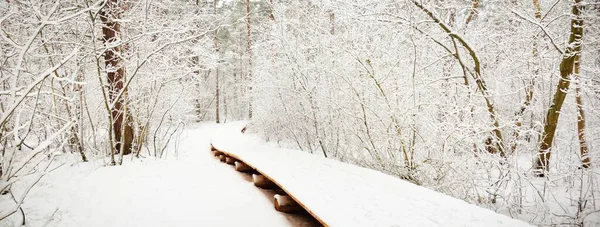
x=242 y=167
x=230 y=160
x=115 y=73
x=286 y=204
x=263 y=182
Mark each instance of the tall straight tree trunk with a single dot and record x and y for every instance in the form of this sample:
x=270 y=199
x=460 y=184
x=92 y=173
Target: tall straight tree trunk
x=249 y=39
x=217 y=114
x=583 y=147
x=115 y=75
x=217 y=97
x=566 y=71
x=332 y=22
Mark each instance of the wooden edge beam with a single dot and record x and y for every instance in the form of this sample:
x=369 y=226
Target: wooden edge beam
x=218 y=153
x=212 y=148
x=222 y=157
x=263 y=182
x=286 y=204
x=230 y=160
x=242 y=167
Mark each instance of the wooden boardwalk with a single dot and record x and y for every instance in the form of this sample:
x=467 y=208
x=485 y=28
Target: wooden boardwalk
x=283 y=200
x=341 y=194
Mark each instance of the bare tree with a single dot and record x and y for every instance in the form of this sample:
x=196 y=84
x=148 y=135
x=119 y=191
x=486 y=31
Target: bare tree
x=531 y=83
x=473 y=12
x=567 y=64
x=498 y=141
x=115 y=72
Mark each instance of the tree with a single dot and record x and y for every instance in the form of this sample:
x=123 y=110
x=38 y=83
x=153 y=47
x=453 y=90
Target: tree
x=531 y=83
x=249 y=52
x=571 y=53
x=498 y=141
x=217 y=114
x=583 y=145
x=115 y=73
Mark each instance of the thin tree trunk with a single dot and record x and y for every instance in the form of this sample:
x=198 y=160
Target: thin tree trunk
x=473 y=13
x=566 y=70
x=115 y=75
x=332 y=22
x=583 y=147
x=249 y=39
x=217 y=114
x=217 y=97
x=531 y=85
x=271 y=15
x=75 y=142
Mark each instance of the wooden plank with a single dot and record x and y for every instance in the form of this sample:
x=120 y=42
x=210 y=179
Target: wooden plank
x=222 y=157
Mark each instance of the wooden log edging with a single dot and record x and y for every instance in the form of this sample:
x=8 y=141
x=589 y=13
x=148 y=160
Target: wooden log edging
x=286 y=204
x=262 y=182
x=242 y=167
x=283 y=199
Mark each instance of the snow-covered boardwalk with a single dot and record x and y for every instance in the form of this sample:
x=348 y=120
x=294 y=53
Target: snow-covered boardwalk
x=339 y=194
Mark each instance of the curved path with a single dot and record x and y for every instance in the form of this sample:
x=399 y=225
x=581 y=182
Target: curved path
x=194 y=189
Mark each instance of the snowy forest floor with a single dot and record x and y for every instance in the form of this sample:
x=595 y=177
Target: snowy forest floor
x=190 y=189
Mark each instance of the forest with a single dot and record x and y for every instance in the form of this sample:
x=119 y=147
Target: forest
x=496 y=103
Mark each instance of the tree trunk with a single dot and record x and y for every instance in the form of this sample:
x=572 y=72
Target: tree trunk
x=217 y=114
x=271 y=15
x=566 y=70
x=115 y=76
x=473 y=13
x=217 y=97
x=583 y=147
x=332 y=22
x=249 y=60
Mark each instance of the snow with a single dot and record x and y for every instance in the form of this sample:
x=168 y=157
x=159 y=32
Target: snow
x=194 y=189
x=345 y=195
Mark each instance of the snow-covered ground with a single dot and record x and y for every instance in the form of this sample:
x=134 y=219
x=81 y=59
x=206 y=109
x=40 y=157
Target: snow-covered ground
x=194 y=189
